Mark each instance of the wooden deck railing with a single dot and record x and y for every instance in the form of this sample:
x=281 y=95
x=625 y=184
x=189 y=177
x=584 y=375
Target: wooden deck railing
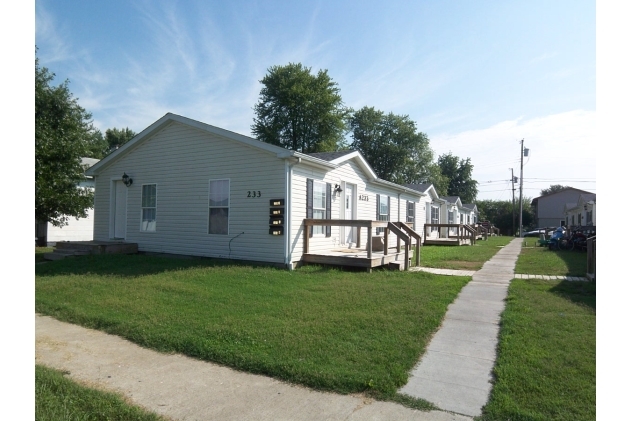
x=461 y=234
x=397 y=228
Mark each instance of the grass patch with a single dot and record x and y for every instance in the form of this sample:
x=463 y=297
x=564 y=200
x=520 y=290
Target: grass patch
x=546 y=366
x=58 y=398
x=39 y=253
x=462 y=257
x=327 y=329
x=542 y=261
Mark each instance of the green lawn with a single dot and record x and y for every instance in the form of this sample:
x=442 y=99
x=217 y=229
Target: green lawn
x=324 y=328
x=58 y=398
x=39 y=253
x=462 y=257
x=542 y=261
x=546 y=366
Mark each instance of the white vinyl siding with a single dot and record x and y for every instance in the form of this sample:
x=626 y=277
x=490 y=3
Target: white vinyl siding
x=148 y=207
x=181 y=160
x=218 y=206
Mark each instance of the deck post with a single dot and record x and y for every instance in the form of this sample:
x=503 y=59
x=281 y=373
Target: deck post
x=306 y=239
x=406 y=264
x=359 y=237
x=386 y=234
x=369 y=245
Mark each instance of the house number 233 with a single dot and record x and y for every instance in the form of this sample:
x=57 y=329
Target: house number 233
x=254 y=193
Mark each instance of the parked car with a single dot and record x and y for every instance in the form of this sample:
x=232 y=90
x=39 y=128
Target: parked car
x=538 y=231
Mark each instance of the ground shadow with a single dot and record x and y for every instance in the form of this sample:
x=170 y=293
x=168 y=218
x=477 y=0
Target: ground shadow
x=577 y=292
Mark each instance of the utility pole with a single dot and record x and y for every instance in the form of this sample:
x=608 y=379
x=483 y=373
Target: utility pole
x=512 y=179
x=521 y=189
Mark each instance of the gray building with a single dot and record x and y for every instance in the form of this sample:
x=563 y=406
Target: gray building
x=549 y=209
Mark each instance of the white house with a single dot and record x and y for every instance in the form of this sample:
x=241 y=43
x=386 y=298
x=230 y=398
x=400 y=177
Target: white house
x=581 y=213
x=78 y=229
x=194 y=189
x=469 y=213
x=432 y=205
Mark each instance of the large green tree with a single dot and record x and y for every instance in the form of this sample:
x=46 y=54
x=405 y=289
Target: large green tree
x=500 y=213
x=62 y=132
x=116 y=138
x=459 y=172
x=299 y=110
x=392 y=145
x=553 y=189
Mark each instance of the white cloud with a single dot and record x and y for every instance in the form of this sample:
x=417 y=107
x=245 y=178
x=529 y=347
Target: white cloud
x=562 y=151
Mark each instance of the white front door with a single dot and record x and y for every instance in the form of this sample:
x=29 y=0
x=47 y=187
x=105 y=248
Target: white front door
x=120 y=209
x=349 y=208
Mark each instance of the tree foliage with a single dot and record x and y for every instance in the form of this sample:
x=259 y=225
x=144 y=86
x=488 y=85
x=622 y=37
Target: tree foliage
x=62 y=131
x=97 y=146
x=553 y=189
x=116 y=138
x=300 y=111
x=458 y=172
x=500 y=214
x=392 y=145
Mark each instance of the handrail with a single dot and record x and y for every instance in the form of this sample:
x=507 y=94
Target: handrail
x=400 y=235
x=418 y=239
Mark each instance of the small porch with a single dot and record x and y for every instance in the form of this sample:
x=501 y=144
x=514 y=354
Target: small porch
x=450 y=235
x=378 y=252
x=65 y=249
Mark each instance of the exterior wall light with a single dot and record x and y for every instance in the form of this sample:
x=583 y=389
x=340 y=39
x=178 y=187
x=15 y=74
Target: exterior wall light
x=338 y=189
x=127 y=180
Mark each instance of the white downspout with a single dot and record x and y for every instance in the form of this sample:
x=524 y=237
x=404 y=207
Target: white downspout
x=288 y=214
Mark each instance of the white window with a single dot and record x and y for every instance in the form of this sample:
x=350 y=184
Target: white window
x=384 y=211
x=410 y=213
x=149 y=207
x=435 y=219
x=450 y=217
x=319 y=205
x=218 y=206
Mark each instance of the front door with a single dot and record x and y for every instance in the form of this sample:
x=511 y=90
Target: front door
x=349 y=209
x=120 y=209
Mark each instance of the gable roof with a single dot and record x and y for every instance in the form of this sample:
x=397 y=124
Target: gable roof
x=454 y=200
x=560 y=191
x=326 y=160
x=470 y=206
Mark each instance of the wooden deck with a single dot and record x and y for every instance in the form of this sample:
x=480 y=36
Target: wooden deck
x=446 y=242
x=366 y=258
x=356 y=258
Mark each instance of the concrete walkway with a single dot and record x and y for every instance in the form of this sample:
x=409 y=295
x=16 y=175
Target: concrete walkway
x=460 y=272
x=183 y=388
x=455 y=373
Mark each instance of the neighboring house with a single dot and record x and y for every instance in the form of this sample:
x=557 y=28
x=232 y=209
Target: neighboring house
x=195 y=189
x=451 y=212
x=581 y=213
x=550 y=209
x=432 y=206
x=78 y=229
x=469 y=213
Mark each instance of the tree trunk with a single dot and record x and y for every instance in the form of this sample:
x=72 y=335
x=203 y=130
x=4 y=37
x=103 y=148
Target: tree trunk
x=41 y=234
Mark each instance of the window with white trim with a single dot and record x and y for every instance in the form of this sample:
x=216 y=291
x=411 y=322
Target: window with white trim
x=384 y=211
x=435 y=218
x=410 y=217
x=319 y=205
x=218 y=206
x=149 y=207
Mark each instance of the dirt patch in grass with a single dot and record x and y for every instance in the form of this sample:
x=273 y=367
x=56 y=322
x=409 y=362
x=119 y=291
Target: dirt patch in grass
x=459 y=264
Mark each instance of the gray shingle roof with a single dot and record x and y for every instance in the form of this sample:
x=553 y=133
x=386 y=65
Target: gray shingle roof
x=450 y=199
x=468 y=205
x=419 y=187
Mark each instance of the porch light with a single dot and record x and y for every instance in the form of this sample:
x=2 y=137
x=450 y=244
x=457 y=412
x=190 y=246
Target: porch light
x=127 y=180
x=338 y=188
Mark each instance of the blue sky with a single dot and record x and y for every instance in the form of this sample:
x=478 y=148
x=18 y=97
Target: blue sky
x=476 y=76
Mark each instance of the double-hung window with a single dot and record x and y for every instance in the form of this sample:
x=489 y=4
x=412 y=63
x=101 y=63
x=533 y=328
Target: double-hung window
x=149 y=207
x=434 y=217
x=218 y=206
x=411 y=207
x=383 y=210
x=319 y=205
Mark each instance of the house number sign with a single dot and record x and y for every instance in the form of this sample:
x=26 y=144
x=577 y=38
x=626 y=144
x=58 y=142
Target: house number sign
x=363 y=197
x=254 y=193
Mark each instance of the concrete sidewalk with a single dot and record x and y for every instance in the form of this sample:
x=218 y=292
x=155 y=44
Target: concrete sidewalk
x=455 y=373
x=183 y=388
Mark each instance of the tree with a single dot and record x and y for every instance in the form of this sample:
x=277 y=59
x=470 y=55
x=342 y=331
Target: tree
x=500 y=214
x=97 y=146
x=458 y=172
x=116 y=138
x=62 y=130
x=300 y=111
x=392 y=145
x=553 y=189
